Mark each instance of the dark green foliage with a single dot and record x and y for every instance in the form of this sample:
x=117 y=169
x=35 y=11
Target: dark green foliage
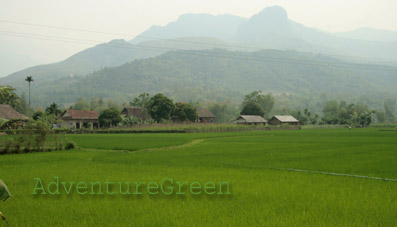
x=37 y=115
x=191 y=112
x=266 y=102
x=129 y=121
x=53 y=109
x=161 y=107
x=109 y=117
x=251 y=108
x=184 y=112
x=9 y=97
x=307 y=117
x=347 y=114
x=70 y=145
x=143 y=102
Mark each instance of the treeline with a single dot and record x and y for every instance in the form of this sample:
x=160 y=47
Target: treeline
x=262 y=104
x=161 y=108
x=333 y=112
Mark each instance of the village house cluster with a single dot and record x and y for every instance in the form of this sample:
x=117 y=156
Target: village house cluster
x=78 y=119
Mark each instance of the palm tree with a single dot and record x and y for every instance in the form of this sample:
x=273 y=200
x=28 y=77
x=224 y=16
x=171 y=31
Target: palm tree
x=29 y=79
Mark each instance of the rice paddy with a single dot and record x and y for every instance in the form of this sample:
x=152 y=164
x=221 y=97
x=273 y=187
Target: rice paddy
x=254 y=164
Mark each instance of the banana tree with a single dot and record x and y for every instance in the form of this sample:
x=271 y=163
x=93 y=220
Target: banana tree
x=4 y=195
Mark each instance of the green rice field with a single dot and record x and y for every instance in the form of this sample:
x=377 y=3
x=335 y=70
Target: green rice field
x=256 y=165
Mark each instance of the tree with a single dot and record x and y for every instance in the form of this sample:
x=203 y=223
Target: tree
x=306 y=118
x=142 y=101
x=9 y=97
x=53 y=109
x=357 y=115
x=184 y=111
x=330 y=112
x=29 y=79
x=129 y=121
x=191 y=112
x=24 y=106
x=220 y=111
x=37 y=115
x=225 y=112
x=94 y=103
x=252 y=109
x=81 y=104
x=266 y=102
x=160 y=107
x=110 y=117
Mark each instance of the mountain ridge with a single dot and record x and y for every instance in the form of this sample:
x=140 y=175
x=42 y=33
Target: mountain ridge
x=269 y=29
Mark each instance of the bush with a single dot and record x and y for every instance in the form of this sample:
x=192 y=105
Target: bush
x=70 y=145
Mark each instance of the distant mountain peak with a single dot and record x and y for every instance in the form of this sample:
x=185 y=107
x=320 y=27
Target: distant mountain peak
x=117 y=41
x=270 y=22
x=273 y=13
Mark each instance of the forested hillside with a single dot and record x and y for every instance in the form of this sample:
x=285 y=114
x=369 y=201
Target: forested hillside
x=219 y=75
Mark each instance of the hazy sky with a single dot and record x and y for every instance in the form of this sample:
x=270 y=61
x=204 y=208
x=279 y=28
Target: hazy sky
x=133 y=17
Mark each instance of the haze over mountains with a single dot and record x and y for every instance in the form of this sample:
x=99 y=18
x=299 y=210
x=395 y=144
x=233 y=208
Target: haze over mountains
x=269 y=29
x=370 y=34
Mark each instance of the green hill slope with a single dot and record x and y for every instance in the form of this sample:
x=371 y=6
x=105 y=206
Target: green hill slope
x=220 y=74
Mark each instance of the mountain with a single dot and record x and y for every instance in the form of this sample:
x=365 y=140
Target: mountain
x=222 y=27
x=120 y=68
x=370 y=34
x=272 y=29
x=225 y=75
x=114 y=53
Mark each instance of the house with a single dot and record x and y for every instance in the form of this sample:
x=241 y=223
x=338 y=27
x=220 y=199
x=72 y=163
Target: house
x=250 y=120
x=15 y=119
x=283 y=119
x=80 y=119
x=205 y=116
x=136 y=112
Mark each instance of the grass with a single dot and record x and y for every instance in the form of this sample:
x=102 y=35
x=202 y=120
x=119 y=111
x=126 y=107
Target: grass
x=260 y=196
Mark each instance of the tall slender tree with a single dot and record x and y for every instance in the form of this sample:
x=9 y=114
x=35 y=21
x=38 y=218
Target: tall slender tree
x=29 y=79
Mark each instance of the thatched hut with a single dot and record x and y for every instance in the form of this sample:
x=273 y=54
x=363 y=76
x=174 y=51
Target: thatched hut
x=283 y=119
x=15 y=119
x=205 y=116
x=250 y=120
